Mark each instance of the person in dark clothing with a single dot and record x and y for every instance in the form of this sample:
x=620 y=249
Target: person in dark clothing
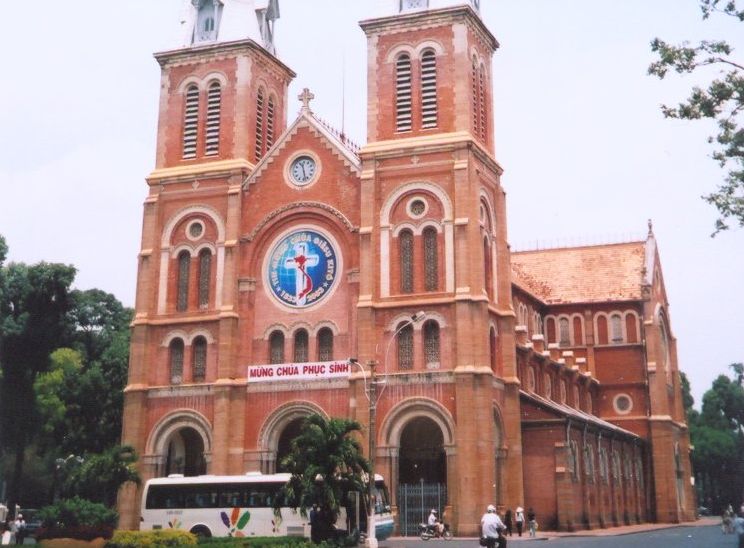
x=508 y=522
x=314 y=525
x=532 y=522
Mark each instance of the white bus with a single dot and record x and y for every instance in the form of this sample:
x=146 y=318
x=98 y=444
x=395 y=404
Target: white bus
x=243 y=506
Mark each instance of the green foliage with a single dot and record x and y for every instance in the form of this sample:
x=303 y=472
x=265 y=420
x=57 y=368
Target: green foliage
x=151 y=539
x=722 y=101
x=717 y=434
x=324 y=460
x=263 y=542
x=99 y=477
x=34 y=301
x=75 y=512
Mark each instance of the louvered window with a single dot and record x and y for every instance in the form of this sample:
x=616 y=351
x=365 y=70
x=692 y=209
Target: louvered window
x=184 y=266
x=405 y=347
x=428 y=90
x=487 y=266
x=403 y=93
x=205 y=270
x=300 y=346
x=212 y=130
x=199 y=365
x=476 y=102
x=565 y=334
x=276 y=347
x=259 y=124
x=431 y=259
x=270 y=111
x=176 y=361
x=616 y=325
x=482 y=102
x=190 y=122
x=405 y=241
x=325 y=345
x=431 y=344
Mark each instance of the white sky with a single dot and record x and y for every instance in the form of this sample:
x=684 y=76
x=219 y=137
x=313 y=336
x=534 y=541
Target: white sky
x=587 y=154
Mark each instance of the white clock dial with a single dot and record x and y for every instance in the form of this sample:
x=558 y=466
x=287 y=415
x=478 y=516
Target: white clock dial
x=302 y=170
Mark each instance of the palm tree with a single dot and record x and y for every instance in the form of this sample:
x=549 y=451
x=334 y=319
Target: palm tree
x=325 y=461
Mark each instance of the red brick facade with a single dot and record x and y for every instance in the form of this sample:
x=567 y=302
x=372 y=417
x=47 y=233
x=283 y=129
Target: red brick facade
x=510 y=390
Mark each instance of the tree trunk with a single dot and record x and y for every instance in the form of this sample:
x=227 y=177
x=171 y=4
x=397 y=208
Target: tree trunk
x=14 y=490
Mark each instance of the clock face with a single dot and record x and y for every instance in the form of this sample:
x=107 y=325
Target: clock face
x=302 y=170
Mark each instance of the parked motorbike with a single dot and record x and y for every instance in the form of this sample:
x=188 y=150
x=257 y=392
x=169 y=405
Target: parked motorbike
x=430 y=531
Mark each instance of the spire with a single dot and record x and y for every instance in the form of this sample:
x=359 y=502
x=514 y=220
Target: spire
x=393 y=7
x=210 y=21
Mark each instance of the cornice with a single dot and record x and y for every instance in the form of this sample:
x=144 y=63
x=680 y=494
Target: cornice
x=213 y=169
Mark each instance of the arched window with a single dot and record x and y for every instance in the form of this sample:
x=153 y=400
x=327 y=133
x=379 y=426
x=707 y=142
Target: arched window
x=199 y=359
x=476 y=102
x=550 y=329
x=405 y=347
x=212 y=128
x=205 y=271
x=589 y=462
x=176 y=361
x=564 y=332
x=325 y=345
x=190 y=122
x=270 y=115
x=631 y=327
x=205 y=21
x=432 y=344
x=428 y=89
x=482 y=106
x=493 y=349
x=405 y=242
x=578 y=332
x=259 y=152
x=276 y=347
x=300 y=346
x=431 y=259
x=665 y=347
x=602 y=329
x=616 y=327
x=487 y=266
x=403 y=93
x=184 y=267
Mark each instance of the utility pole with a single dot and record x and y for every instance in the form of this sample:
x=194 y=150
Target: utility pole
x=371 y=533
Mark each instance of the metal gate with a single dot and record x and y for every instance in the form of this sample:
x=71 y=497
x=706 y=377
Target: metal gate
x=415 y=501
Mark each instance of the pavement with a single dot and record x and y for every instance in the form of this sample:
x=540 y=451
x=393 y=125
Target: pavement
x=607 y=532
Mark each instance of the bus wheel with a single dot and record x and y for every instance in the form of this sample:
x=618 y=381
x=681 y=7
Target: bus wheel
x=201 y=531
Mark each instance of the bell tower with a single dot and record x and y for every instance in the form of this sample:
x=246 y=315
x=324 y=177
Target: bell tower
x=433 y=236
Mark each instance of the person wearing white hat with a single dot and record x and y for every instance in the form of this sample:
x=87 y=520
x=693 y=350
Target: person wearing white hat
x=491 y=527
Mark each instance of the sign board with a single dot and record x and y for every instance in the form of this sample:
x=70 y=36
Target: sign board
x=299 y=371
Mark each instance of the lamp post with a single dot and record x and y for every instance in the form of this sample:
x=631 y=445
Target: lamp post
x=373 y=397
x=59 y=464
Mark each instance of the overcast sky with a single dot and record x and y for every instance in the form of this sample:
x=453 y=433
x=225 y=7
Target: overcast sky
x=587 y=155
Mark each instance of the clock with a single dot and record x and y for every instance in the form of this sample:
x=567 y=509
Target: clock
x=302 y=170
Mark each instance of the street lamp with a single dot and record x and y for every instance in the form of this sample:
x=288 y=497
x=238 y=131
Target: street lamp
x=373 y=397
x=59 y=464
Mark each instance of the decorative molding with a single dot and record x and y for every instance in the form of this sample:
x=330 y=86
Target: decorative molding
x=296 y=205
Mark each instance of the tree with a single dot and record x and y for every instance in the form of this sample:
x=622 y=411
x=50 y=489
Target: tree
x=34 y=301
x=325 y=461
x=99 y=477
x=722 y=101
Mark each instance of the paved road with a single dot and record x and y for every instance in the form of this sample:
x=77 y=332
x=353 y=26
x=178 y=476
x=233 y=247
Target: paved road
x=678 y=537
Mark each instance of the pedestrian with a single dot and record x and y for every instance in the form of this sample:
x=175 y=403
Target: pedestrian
x=532 y=522
x=491 y=528
x=739 y=527
x=508 y=521
x=519 y=519
x=314 y=527
x=20 y=528
x=727 y=520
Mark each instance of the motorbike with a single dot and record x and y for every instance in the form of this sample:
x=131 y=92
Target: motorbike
x=427 y=532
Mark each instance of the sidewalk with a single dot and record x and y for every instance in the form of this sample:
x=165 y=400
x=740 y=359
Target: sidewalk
x=617 y=531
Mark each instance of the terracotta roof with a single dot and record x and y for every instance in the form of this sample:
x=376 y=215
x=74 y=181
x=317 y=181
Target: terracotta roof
x=612 y=272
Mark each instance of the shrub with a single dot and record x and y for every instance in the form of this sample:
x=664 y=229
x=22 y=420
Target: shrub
x=76 y=518
x=260 y=542
x=151 y=539
x=77 y=532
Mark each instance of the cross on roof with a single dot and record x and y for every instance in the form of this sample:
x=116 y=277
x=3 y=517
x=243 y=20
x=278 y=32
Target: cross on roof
x=306 y=96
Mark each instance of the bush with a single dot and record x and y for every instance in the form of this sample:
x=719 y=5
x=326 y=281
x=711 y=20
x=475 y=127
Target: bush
x=151 y=539
x=76 y=518
x=265 y=542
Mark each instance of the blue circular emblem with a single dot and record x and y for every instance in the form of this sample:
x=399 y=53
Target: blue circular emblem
x=302 y=268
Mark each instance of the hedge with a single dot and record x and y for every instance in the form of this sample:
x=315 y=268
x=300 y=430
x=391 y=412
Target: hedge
x=151 y=539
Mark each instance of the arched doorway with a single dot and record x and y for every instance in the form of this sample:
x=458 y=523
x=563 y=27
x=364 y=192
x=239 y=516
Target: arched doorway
x=422 y=472
x=184 y=453
x=284 y=445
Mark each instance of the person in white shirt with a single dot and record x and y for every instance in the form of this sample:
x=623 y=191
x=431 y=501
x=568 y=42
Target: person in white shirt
x=433 y=522
x=491 y=527
x=519 y=519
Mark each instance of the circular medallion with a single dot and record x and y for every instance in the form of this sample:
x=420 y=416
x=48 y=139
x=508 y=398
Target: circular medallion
x=302 y=268
x=302 y=170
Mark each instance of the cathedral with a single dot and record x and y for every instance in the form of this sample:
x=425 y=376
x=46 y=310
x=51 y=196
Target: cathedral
x=283 y=270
